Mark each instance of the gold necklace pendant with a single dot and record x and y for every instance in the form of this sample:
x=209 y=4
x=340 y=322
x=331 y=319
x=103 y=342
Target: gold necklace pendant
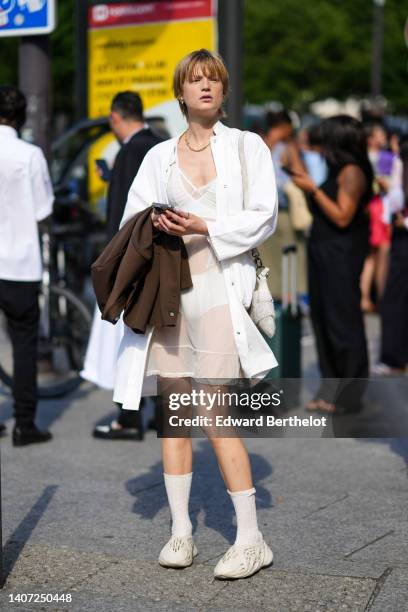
x=191 y=148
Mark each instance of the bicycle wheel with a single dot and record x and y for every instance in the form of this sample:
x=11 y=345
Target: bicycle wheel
x=63 y=338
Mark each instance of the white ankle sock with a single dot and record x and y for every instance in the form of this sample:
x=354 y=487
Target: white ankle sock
x=178 y=493
x=247 y=523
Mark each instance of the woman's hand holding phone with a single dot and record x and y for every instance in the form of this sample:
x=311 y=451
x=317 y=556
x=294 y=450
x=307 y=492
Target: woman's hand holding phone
x=179 y=223
x=158 y=209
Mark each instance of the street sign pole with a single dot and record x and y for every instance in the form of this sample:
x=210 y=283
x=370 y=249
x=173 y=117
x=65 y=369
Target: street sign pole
x=81 y=59
x=34 y=82
x=230 y=37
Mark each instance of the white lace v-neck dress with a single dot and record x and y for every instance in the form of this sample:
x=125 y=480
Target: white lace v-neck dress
x=201 y=345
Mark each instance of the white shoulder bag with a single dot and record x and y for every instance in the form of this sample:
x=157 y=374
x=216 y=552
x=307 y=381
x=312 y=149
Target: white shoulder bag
x=262 y=309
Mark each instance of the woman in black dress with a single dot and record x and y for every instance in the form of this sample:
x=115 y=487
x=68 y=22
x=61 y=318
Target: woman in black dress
x=337 y=247
x=394 y=304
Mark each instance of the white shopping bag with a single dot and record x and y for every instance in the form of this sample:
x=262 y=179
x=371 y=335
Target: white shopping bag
x=102 y=352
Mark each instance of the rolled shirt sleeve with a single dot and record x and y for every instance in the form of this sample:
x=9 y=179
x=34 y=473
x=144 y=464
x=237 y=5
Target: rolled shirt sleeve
x=238 y=233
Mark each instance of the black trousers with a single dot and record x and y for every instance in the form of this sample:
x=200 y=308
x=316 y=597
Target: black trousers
x=130 y=418
x=19 y=302
x=394 y=305
x=334 y=269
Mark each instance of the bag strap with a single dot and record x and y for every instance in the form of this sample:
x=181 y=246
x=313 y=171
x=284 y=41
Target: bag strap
x=245 y=190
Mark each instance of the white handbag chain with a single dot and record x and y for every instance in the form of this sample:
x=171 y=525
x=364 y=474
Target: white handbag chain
x=245 y=188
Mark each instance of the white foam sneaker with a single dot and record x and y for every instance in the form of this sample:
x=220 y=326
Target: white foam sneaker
x=243 y=561
x=178 y=552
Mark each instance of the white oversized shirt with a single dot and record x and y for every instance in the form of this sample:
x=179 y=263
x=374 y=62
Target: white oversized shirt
x=26 y=197
x=232 y=235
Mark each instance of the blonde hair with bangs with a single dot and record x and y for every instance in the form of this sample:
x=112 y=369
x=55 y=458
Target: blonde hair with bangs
x=211 y=64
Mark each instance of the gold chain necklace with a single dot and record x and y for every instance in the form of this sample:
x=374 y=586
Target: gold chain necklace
x=191 y=148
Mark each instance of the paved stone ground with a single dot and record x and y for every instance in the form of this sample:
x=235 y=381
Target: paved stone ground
x=88 y=518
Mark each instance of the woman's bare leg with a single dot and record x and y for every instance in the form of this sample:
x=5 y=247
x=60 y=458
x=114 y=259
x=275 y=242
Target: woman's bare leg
x=234 y=464
x=177 y=455
x=177 y=458
x=231 y=454
x=381 y=271
x=366 y=281
x=177 y=452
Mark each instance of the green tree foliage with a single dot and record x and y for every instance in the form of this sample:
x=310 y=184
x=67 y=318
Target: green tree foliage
x=299 y=51
x=296 y=51
x=9 y=63
x=63 y=70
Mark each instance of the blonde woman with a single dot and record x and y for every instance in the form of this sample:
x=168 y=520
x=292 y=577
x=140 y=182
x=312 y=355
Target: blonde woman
x=214 y=340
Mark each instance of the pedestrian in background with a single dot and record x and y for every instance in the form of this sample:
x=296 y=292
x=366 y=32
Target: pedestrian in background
x=376 y=265
x=278 y=132
x=312 y=154
x=337 y=247
x=394 y=305
x=136 y=138
x=26 y=198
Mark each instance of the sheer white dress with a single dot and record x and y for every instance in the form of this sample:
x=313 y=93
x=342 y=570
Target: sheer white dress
x=201 y=346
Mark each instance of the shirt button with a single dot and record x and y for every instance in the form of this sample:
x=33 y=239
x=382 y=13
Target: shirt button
x=232 y=283
x=238 y=333
x=171 y=313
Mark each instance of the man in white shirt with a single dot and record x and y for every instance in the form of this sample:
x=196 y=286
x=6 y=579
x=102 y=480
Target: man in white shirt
x=26 y=197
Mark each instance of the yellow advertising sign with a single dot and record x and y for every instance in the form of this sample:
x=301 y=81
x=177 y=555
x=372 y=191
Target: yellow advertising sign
x=136 y=46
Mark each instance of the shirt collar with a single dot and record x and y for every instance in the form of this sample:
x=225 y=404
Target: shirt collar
x=218 y=127
x=7 y=130
x=145 y=127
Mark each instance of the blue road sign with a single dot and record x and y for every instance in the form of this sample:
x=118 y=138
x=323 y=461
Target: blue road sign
x=26 y=17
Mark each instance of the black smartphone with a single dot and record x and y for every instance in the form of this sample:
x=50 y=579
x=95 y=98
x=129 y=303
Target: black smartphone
x=160 y=208
x=104 y=168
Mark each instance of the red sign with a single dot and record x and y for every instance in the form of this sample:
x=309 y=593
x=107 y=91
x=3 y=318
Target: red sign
x=103 y=15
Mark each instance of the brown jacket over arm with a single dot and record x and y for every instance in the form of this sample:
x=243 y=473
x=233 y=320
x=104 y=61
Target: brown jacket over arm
x=141 y=272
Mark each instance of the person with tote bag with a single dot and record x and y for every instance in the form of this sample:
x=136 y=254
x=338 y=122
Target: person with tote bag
x=214 y=340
